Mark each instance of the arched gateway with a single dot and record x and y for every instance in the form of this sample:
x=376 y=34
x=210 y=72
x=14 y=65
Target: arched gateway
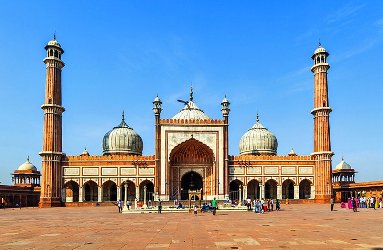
x=191 y=168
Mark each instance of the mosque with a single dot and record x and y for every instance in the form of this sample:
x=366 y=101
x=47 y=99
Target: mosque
x=191 y=157
x=191 y=154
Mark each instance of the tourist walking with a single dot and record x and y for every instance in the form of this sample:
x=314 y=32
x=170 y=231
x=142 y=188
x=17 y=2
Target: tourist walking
x=372 y=200
x=159 y=206
x=332 y=203
x=277 y=205
x=214 y=205
x=272 y=204
x=248 y=203
x=354 y=207
x=119 y=204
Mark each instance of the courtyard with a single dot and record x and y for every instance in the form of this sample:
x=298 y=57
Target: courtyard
x=296 y=226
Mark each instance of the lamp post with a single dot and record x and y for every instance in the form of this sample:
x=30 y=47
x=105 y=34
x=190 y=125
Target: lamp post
x=240 y=195
x=145 y=205
x=125 y=195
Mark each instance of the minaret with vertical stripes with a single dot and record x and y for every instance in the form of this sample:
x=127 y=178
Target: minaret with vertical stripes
x=51 y=153
x=321 y=112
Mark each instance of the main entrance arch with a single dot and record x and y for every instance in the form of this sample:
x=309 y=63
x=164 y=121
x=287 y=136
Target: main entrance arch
x=190 y=181
x=191 y=167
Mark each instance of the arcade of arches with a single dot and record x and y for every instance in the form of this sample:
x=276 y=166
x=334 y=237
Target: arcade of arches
x=109 y=191
x=271 y=190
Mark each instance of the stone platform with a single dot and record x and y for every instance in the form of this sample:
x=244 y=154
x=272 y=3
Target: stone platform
x=296 y=226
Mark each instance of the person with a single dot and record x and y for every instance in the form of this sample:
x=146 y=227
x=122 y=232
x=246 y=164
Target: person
x=195 y=210
x=268 y=205
x=128 y=204
x=354 y=207
x=372 y=200
x=248 y=203
x=332 y=203
x=135 y=203
x=277 y=205
x=119 y=204
x=159 y=206
x=263 y=205
x=214 y=205
x=179 y=205
x=272 y=204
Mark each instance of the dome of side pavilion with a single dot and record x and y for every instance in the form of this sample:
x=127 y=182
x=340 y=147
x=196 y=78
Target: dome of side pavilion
x=258 y=141
x=122 y=140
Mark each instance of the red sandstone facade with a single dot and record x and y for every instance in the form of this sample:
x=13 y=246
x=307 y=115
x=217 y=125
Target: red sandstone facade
x=191 y=151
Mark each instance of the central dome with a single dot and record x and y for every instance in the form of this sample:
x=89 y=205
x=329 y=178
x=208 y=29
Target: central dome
x=122 y=140
x=258 y=141
x=191 y=110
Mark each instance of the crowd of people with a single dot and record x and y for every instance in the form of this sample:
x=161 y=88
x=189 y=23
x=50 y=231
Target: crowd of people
x=262 y=205
x=363 y=202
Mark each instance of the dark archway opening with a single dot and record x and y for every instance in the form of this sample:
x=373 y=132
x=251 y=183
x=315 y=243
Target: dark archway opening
x=305 y=189
x=109 y=191
x=91 y=191
x=271 y=189
x=190 y=181
x=149 y=191
x=288 y=189
x=253 y=190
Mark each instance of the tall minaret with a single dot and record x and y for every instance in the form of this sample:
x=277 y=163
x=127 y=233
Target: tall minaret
x=52 y=135
x=157 y=108
x=225 y=109
x=321 y=112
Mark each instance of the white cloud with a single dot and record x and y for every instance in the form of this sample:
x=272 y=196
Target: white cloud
x=344 y=14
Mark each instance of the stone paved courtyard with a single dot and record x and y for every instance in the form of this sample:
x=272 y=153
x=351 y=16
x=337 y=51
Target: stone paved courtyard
x=310 y=226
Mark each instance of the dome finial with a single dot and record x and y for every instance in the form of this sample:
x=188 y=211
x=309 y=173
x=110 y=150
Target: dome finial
x=319 y=43
x=191 y=92
x=257 y=117
x=123 y=116
x=54 y=36
x=28 y=158
x=342 y=158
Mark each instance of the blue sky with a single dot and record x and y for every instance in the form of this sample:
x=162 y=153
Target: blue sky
x=120 y=54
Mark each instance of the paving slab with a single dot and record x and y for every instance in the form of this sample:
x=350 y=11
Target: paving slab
x=296 y=226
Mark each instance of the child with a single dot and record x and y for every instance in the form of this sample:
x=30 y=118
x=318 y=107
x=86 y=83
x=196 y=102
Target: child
x=195 y=210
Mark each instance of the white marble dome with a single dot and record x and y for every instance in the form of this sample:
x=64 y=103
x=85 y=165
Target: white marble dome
x=191 y=110
x=27 y=166
x=258 y=141
x=122 y=140
x=343 y=165
x=54 y=43
x=320 y=49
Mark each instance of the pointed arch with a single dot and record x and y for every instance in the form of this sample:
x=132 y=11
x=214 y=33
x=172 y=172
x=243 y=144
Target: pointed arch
x=91 y=191
x=109 y=191
x=305 y=189
x=71 y=191
x=288 y=189
x=191 y=151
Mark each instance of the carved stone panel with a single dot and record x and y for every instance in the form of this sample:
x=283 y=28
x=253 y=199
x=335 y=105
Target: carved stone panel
x=146 y=171
x=71 y=171
x=271 y=170
x=305 y=170
x=90 y=171
x=128 y=171
x=254 y=170
x=288 y=170
x=109 y=171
